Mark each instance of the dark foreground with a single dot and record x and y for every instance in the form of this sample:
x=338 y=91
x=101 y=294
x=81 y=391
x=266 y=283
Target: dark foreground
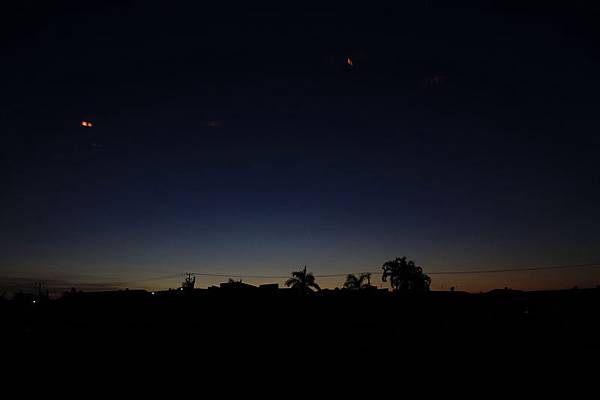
x=331 y=325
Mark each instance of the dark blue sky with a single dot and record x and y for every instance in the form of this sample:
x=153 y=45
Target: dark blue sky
x=240 y=141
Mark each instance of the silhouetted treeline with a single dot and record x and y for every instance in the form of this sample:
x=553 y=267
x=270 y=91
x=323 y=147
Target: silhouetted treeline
x=237 y=320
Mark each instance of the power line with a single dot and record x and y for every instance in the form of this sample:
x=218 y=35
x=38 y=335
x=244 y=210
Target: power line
x=337 y=275
x=522 y=269
x=244 y=276
x=458 y=272
x=156 y=278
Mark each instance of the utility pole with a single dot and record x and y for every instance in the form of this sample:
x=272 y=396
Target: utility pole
x=189 y=282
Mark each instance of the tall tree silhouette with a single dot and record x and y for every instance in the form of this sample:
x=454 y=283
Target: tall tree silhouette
x=353 y=282
x=405 y=275
x=303 y=281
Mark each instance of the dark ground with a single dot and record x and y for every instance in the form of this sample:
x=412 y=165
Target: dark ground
x=327 y=325
x=279 y=342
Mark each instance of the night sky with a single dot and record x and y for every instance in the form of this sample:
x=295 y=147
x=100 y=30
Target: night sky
x=241 y=141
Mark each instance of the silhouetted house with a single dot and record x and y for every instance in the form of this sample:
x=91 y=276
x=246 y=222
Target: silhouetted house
x=237 y=285
x=504 y=292
x=110 y=295
x=269 y=286
x=24 y=298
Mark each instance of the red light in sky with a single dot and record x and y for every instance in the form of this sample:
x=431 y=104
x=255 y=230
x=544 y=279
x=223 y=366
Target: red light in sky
x=87 y=124
x=349 y=62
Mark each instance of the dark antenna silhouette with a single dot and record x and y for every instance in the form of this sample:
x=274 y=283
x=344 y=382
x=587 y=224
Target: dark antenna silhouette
x=40 y=293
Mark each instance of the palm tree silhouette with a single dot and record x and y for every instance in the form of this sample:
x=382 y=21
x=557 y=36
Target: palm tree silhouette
x=302 y=281
x=405 y=275
x=354 y=282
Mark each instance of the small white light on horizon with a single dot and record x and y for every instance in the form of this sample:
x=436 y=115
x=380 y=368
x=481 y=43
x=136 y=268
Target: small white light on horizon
x=153 y=293
x=34 y=302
